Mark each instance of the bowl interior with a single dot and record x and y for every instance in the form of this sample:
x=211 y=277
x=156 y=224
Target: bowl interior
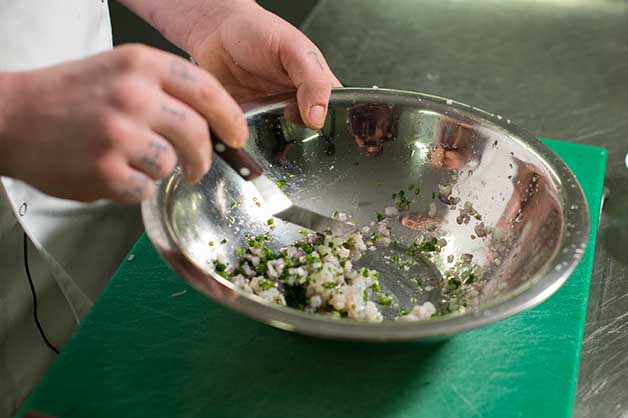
x=498 y=201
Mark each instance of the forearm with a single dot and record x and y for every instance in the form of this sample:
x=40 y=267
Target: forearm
x=176 y=20
x=9 y=102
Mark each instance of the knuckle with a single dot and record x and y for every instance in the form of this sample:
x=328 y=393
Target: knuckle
x=133 y=57
x=129 y=95
x=206 y=93
x=114 y=129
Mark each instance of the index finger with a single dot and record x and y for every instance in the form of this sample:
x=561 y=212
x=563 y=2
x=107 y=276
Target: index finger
x=203 y=93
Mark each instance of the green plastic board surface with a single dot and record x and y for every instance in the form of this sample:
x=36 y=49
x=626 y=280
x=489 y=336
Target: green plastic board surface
x=147 y=350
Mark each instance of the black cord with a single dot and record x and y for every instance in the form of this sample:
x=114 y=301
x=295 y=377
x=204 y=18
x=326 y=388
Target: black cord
x=30 y=281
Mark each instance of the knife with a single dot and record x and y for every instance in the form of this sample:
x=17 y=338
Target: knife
x=273 y=197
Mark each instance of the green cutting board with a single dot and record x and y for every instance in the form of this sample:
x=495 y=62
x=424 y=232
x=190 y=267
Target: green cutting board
x=147 y=350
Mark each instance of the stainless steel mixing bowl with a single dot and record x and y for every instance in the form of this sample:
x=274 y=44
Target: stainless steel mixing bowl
x=529 y=233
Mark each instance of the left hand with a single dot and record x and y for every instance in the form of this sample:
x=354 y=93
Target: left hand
x=253 y=53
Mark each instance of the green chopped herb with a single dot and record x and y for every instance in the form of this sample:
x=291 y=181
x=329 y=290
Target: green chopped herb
x=433 y=195
x=365 y=272
x=308 y=248
x=310 y=259
x=429 y=245
x=385 y=299
x=470 y=279
x=402 y=202
x=211 y=243
x=454 y=283
x=380 y=216
x=303 y=232
x=411 y=186
x=221 y=269
x=418 y=282
x=376 y=287
x=365 y=295
x=240 y=251
x=265 y=284
x=417 y=191
x=231 y=219
x=270 y=222
x=236 y=204
x=334 y=314
x=224 y=241
x=282 y=183
x=403 y=312
x=258 y=241
x=335 y=214
x=270 y=254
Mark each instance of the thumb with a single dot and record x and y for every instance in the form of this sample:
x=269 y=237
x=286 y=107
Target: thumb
x=312 y=77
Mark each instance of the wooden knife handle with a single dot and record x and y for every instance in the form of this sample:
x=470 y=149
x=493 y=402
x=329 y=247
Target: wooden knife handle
x=238 y=159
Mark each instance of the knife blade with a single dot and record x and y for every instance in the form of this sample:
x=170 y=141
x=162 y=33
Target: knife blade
x=275 y=200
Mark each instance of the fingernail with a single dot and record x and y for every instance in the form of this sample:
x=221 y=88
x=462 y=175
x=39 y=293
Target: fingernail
x=317 y=115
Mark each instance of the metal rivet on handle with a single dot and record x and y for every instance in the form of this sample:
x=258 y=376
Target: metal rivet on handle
x=245 y=171
x=220 y=147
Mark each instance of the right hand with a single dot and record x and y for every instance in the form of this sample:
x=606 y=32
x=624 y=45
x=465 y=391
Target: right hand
x=108 y=125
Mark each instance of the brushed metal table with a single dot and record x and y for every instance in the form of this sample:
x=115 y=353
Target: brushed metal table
x=556 y=67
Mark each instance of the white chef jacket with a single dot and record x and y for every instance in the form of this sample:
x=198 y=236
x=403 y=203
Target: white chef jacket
x=75 y=247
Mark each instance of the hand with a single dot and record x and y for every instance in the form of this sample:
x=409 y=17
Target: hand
x=251 y=51
x=107 y=126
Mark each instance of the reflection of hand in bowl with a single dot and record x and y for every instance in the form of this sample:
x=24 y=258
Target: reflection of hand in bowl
x=372 y=125
x=454 y=144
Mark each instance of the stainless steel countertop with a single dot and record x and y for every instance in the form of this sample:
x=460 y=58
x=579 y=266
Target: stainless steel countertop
x=556 y=67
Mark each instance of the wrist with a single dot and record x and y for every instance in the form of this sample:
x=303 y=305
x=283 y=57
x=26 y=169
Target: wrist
x=204 y=25
x=186 y=23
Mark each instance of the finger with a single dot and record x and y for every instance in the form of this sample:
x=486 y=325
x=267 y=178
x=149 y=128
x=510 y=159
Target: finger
x=202 y=92
x=152 y=154
x=124 y=184
x=311 y=75
x=186 y=130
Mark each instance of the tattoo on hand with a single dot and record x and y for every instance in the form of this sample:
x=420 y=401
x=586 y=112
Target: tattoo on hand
x=181 y=70
x=137 y=185
x=177 y=113
x=151 y=159
x=316 y=57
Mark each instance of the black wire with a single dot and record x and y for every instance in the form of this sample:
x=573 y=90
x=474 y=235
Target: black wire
x=30 y=281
